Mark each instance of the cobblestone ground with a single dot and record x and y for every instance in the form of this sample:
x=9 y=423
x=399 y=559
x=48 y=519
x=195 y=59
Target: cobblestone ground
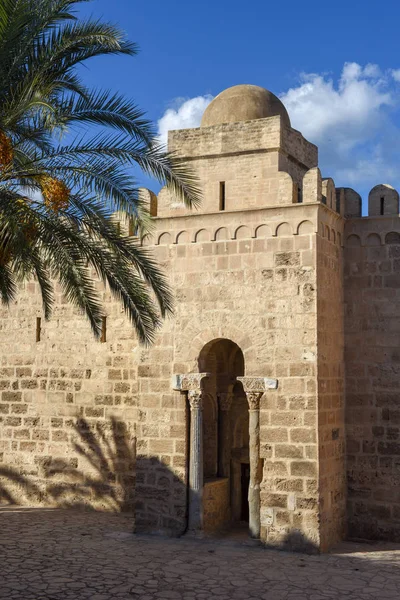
x=59 y=555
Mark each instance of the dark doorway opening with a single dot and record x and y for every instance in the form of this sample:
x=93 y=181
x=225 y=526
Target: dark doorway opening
x=244 y=485
x=225 y=436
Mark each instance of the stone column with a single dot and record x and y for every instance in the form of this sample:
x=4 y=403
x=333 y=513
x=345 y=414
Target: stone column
x=196 y=460
x=253 y=398
x=224 y=433
x=254 y=388
x=191 y=383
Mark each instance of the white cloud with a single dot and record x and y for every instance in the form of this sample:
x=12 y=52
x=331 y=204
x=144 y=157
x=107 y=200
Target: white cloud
x=395 y=74
x=354 y=120
x=348 y=111
x=184 y=114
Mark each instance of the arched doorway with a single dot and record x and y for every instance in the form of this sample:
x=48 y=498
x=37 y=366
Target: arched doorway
x=225 y=436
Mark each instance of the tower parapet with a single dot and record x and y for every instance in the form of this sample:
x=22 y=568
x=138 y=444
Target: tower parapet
x=242 y=164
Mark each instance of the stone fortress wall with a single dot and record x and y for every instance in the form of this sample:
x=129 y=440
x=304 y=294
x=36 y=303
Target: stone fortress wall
x=372 y=337
x=278 y=266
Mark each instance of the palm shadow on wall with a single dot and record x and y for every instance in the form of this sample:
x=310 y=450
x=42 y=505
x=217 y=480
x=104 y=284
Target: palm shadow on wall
x=12 y=482
x=108 y=450
x=111 y=477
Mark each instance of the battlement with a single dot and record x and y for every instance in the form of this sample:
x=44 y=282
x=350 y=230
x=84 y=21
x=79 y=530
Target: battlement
x=282 y=190
x=373 y=230
x=248 y=158
x=383 y=200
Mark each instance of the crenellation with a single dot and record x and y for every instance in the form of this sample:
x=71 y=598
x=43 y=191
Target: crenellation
x=352 y=203
x=329 y=193
x=383 y=200
x=312 y=186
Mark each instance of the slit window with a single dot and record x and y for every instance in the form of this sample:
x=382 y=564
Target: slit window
x=38 y=328
x=222 y=195
x=299 y=195
x=382 y=206
x=103 y=336
x=133 y=227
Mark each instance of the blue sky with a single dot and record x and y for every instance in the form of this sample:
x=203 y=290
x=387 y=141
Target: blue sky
x=336 y=67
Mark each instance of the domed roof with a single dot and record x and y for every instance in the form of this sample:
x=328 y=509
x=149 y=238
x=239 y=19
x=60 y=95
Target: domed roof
x=243 y=103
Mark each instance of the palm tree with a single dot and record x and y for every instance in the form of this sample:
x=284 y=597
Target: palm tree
x=58 y=197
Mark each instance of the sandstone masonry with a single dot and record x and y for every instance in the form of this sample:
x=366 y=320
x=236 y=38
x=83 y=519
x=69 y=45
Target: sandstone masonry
x=271 y=397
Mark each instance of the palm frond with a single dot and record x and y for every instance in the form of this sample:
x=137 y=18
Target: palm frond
x=58 y=199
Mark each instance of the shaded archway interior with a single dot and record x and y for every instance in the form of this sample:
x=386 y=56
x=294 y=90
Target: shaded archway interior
x=225 y=436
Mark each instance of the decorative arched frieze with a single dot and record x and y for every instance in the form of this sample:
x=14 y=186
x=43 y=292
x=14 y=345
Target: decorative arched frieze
x=183 y=237
x=327 y=232
x=242 y=233
x=283 y=229
x=221 y=234
x=353 y=241
x=164 y=239
x=305 y=227
x=373 y=239
x=392 y=238
x=203 y=235
x=263 y=231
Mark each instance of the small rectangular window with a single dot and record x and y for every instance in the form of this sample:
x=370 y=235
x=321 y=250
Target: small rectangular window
x=222 y=195
x=38 y=328
x=382 y=205
x=103 y=336
x=133 y=228
x=299 y=195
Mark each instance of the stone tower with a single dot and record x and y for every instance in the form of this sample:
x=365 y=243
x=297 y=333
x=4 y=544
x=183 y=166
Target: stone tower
x=237 y=412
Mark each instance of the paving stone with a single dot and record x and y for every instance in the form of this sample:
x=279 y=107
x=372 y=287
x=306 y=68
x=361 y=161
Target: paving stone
x=45 y=557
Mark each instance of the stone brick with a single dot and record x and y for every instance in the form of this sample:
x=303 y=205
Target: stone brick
x=274 y=500
x=275 y=434
x=11 y=396
x=303 y=469
x=288 y=451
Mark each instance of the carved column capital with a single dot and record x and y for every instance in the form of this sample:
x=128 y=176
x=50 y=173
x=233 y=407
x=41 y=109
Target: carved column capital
x=188 y=381
x=253 y=398
x=195 y=398
x=225 y=400
x=258 y=384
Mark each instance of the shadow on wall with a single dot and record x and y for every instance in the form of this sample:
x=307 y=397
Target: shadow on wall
x=111 y=477
x=294 y=541
x=107 y=450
